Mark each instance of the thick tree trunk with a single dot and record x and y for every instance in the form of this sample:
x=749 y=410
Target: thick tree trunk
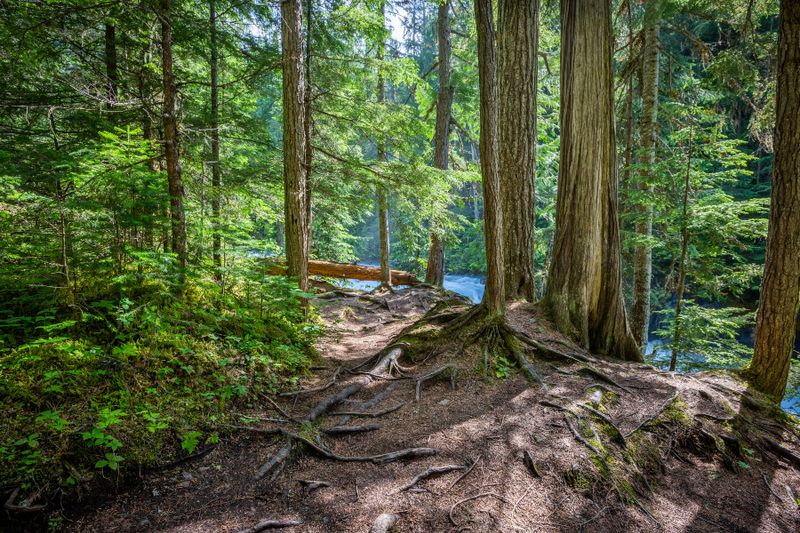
x=643 y=255
x=216 y=173
x=584 y=290
x=441 y=139
x=171 y=146
x=111 y=64
x=294 y=142
x=780 y=288
x=494 y=295
x=518 y=35
x=383 y=204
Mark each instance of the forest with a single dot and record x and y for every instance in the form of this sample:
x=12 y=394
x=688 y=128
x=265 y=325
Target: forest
x=400 y=265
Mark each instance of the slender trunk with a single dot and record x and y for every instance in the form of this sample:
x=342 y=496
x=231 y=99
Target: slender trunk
x=518 y=35
x=111 y=65
x=676 y=337
x=294 y=142
x=494 y=295
x=441 y=140
x=171 y=146
x=584 y=290
x=216 y=171
x=626 y=171
x=780 y=288
x=383 y=205
x=643 y=254
x=308 y=123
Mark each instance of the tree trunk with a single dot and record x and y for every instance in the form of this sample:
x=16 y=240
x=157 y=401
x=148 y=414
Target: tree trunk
x=308 y=123
x=518 y=31
x=780 y=288
x=682 y=266
x=643 y=253
x=111 y=64
x=383 y=204
x=216 y=173
x=494 y=295
x=294 y=142
x=171 y=146
x=584 y=290
x=441 y=139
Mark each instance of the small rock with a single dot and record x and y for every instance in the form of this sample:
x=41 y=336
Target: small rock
x=444 y=402
x=204 y=468
x=187 y=476
x=596 y=398
x=144 y=523
x=184 y=485
x=156 y=493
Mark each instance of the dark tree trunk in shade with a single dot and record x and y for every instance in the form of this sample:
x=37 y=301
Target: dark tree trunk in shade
x=518 y=34
x=308 y=123
x=112 y=74
x=494 y=295
x=294 y=142
x=383 y=203
x=584 y=289
x=216 y=171
x=171 y=144
x=780 y=288
x=643 y=252
x=441 y=140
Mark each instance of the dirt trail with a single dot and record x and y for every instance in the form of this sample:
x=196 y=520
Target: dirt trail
x=605 y=447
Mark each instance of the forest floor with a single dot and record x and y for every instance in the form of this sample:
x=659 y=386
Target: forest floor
x=604 y=446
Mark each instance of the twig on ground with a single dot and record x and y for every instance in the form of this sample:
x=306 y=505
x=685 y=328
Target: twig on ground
x=344 y=430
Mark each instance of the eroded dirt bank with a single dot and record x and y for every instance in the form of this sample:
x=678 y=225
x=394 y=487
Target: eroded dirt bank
x=602 y=446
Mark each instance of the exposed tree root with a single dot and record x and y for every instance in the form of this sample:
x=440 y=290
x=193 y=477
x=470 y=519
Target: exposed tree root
x=310 y=485
x=433 y=374
x=24 y=507
x=270 y=524
x=431 y=472
x=465 y=474
x=313 y=390
x=378 y=459
x=465 y=500
x=370 y=415
x=655 y=415
x=583 y=441
x=348 y=430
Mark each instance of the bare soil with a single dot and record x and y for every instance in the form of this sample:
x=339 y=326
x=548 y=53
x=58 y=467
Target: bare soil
x=694 y=456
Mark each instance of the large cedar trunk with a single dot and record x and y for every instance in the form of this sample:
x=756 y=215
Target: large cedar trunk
x=518 y=34
x=780 y=288
x=494 y=295
x=294 y=142
x=216 y=174
x=441 y=140
x=643 y=255
x=171 y=146
x=584 y=290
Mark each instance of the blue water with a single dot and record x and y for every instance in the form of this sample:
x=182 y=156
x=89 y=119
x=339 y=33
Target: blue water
x=466 y=285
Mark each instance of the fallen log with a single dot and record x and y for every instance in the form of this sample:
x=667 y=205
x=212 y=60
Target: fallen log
x=346 y=271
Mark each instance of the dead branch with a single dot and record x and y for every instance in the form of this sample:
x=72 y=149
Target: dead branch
x=465 y=500
x=430 y=472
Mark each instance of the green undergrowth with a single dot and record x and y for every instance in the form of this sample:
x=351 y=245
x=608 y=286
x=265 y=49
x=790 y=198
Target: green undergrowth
x=131 y=382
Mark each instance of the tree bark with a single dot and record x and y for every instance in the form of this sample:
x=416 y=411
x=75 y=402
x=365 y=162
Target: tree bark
x=584 y=290
x=294 y=142
x=441 y=139
x=518 y=35
x=780 y=288
x=383 y=204
x=216 y=171
x=494 y=295
x=111 y=64
x=643 y=253
x=171 y=145
x=308 y=123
